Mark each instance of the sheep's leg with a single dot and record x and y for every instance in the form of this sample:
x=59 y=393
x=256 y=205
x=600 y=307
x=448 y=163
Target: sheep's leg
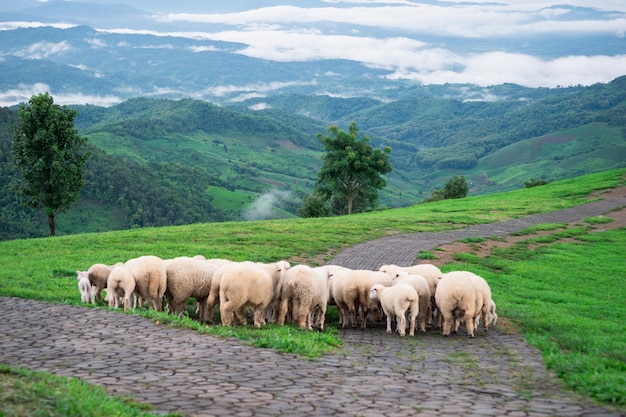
x=227 y=313
x=412 y=319
x=447 y=318
x=258 y=317
x=282 y=312
x=401 y=318
x=302 y=315
x=469 y=324
x=388 y=322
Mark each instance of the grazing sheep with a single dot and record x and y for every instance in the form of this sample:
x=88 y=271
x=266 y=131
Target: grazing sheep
x=214 y=292
x=98 y=276
x=398 y=300
x=350 y=291
x=151 y=277
x=457 y=298
x=245 y=285
x=305 y=289
x=423 y=292
x=87 y=292
x=120 y=284
x=187 y=278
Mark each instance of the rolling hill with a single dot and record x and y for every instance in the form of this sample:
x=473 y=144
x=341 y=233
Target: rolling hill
x=164 y=162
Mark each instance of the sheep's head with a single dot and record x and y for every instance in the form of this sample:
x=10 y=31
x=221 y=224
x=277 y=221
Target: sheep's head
x=374 y=292
x=82 y=274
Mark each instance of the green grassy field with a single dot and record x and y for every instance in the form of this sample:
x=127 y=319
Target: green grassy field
x=567 y=297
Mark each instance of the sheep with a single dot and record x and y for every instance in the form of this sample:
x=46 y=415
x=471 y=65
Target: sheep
x=399 y=300
x=245 y=285
x=485 y=292
x=375 y=310
x=306 y=289
x=423 y=292
x=120 y=283
x=457 y=298
x=87 y=292
x=186 y=278
x=493 y=317
x=431 y=272
x=98 y=275
x=350 y=291
x=151 y=277
x=214 y=292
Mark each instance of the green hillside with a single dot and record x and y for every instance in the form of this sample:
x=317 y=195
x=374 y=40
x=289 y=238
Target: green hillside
x=162 y=162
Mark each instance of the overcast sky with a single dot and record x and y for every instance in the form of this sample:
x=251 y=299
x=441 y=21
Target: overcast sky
x=430 y=42
x=288 y=33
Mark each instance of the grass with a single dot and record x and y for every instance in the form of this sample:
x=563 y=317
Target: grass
x=54 y=396
x=566 y=298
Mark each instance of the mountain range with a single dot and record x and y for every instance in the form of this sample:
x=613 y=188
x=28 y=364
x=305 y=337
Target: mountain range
x=210 y=111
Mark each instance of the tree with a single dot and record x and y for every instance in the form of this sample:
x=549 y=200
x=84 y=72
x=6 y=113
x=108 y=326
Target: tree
x=49 y=157
x=352 y=170
x=455 y=187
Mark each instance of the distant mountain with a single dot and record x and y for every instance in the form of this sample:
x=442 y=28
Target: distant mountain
x=160 y=162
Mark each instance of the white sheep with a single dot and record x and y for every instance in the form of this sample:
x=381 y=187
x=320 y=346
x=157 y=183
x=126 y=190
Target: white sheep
x=485 y=292
x=398 y=300
x=493 y=317
x=375 y=310
x=350 y=290
x=120 y=284
x=87 y=292
x=457 y=298
x=431 y=272
x=151 y=277
x=98 y=275
x=245 y=285
x=423 y=292
x=187 y=278
x=305 y=290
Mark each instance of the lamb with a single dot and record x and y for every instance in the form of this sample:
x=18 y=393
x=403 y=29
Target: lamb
x=423 y=292
x=120 y=283
x=375 y=310
x=306 y=290
x=350 y=291
x=399 y=300
x=186 y=278
x=98 y=276
x=87 y=292
x=246 y=285
x=457 y=298
x=430 y=272
x=493 y=317
x=151 y=277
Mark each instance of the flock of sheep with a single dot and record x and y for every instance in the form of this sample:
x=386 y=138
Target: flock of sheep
x=419 y=295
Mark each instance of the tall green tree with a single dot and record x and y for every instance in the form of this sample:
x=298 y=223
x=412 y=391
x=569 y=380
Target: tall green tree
x=352 y=171
x=49 y=157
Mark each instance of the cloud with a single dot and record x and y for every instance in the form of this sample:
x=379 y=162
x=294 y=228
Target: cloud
x=23 y=92
x=41 y=50
x=472 y=20
x=498 y=67
x=267 y=206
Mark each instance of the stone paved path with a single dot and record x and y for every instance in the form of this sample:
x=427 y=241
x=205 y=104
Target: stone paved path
x=374 y=374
